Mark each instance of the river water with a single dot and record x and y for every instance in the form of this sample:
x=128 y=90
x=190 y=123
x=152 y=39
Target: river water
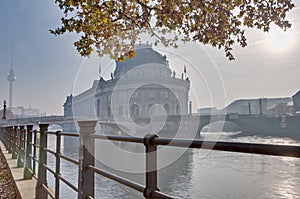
x=207 y=174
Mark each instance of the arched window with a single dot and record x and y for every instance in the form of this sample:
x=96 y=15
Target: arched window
x=98 y=108
x=178 y=111
x=108 y=96
x=134 y=112
x=108 y=112
x=167 y=109
x=120 y=111
x=152 y=108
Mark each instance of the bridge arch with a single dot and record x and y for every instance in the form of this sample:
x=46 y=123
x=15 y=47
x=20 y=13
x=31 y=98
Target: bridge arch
x=55 y=127
x=224 y=126
x=215 y=123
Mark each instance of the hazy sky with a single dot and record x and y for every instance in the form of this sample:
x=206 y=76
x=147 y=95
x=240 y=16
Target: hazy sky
x=48 y=68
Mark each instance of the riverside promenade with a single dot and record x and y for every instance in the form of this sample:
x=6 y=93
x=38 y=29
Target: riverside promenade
x=12 y=183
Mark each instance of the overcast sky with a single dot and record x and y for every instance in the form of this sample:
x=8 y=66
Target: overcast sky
x=48 y=68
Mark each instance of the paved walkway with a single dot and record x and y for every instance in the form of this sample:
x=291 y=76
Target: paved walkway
x=25 y=187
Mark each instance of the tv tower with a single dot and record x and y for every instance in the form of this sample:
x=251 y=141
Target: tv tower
x=11 y=79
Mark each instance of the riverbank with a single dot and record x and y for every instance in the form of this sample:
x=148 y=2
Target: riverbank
x=8 y=188
x=25 y=188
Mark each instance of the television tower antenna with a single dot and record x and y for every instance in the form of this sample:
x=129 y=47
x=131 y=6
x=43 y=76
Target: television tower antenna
x=11 y=79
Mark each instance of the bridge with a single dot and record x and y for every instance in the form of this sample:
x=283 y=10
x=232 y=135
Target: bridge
x=174 y=124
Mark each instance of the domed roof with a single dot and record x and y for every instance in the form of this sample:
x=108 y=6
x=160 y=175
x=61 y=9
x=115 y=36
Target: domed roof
x=144 y=55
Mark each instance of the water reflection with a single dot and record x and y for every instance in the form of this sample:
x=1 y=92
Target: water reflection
x=217 y=175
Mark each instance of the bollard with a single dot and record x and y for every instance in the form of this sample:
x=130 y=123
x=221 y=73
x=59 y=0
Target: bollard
x=14 y=142
x=86 y=179
x=151 y=166
x=20 y=160
x=40 y=192
x=28 y=165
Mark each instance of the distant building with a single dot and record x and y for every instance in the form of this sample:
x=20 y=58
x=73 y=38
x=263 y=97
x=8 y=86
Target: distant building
x=265 y=106
x=21 y=112
x=209 y=111
x=9 y=114
x=283 y=108
x=296 y=103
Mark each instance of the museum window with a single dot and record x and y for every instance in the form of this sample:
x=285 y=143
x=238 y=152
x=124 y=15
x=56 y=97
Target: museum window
x=178 y=109
x=108 y=111
x=166 y=94
x=98 y=108
x=120 y=111
x=152 y=108
x=134 y=111
x=167 y=109
x=108 y=96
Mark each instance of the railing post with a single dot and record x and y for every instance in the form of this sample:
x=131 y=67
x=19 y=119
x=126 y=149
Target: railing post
x=5 y=138
x=8 y=137
x=20 y=161
x=34 y=151
x=86 y=179
x=15 y=143
x=28 y=165
x=40 y=192
x=151 y=166
x=57 y=167
x=2 y=136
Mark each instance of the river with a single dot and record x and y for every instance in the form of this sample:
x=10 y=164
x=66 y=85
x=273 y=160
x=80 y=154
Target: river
x=207 y=174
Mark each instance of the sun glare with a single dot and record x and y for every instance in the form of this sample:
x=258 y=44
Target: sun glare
x=279 y=40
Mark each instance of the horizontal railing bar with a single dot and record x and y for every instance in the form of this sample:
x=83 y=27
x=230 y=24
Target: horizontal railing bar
x=48 y=191
x=118 y=138
x=263 y=149
x=49 y=169
x=50 y=151
x=50 y=132
x=68 y=183
x=160 y=195
x=69 y=159
x=118 y=179
x=70 y=134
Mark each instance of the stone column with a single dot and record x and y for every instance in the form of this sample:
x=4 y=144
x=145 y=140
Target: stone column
x=86 y=180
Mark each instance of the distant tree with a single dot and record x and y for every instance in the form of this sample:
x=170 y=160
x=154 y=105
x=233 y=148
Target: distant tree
x=113 y=26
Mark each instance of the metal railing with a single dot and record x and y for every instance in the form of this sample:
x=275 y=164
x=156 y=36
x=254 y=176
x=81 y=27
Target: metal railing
x=24 y=145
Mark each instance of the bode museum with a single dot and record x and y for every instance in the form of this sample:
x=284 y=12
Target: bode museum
x=140 y=88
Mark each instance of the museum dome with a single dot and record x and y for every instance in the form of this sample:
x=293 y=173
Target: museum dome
x=144 y=55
